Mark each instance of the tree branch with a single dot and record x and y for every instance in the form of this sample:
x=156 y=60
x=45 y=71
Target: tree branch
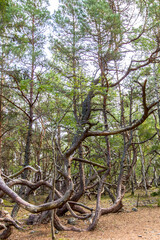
x=89 y=162
x=33 y=208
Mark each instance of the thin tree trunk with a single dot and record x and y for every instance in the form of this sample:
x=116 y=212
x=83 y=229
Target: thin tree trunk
x=1 y=119
x=28 y=146
x=1 y=107
x=53 y=190
x=157 y=96
x=143 y=168
x=30 y=123
x=155 y=177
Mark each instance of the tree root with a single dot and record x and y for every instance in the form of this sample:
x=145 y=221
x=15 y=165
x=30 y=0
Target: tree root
x=6 y=223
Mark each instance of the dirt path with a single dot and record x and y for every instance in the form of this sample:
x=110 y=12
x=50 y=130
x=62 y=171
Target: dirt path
x=143 y=224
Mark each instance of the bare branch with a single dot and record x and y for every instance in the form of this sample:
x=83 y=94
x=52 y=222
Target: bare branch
x=43 y=207
x=16 y=106
x=89 y=162
x=22 y=170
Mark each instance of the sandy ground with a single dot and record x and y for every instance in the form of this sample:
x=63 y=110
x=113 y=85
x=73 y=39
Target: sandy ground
x=127 y=225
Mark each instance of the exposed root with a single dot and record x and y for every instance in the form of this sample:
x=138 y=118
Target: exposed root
x=6 y=223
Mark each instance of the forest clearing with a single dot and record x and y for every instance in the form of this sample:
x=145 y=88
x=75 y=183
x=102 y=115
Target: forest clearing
x=144 y=224
x=131 y=223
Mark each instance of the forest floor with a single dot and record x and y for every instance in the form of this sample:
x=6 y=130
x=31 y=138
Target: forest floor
x=128 y=224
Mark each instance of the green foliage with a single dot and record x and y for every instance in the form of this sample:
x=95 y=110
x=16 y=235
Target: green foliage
x=13 y=168
x=24 y=84
x=5 y=15
x=154 y=194
x=3 y=8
